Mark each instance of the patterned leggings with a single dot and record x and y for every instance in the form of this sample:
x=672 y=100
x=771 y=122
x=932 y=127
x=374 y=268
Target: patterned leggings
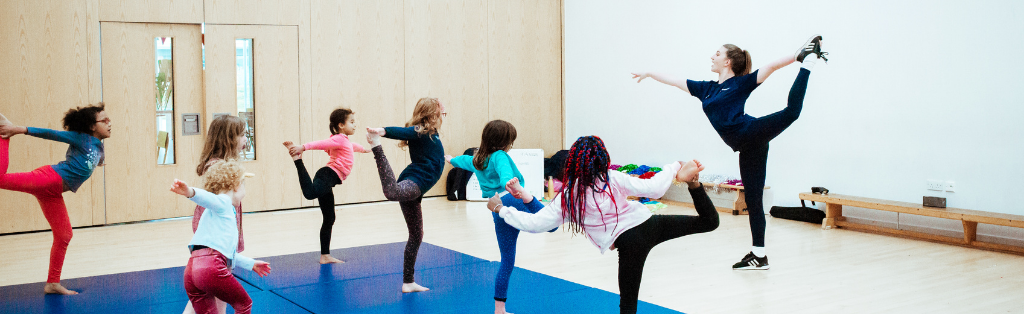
x=409 y=197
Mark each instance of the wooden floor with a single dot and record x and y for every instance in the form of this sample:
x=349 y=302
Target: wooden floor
x=813 y=270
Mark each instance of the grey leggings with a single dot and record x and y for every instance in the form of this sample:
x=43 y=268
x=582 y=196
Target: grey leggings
x=409 y=196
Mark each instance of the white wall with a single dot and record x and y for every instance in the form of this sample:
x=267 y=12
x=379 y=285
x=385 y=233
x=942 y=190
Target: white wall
x=915 y=91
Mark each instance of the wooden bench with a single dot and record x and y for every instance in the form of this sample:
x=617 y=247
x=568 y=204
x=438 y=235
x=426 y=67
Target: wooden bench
x=970 y=218
x=739 y=205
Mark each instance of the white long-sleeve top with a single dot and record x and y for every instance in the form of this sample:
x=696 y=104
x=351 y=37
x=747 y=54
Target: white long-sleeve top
x=218 y=228
x=608 y=213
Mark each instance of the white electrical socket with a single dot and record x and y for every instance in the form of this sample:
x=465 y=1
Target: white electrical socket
x=935 y=185
x=950 y=186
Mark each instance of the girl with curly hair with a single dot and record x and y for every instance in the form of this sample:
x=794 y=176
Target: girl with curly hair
x=85 y=128
x=214 y=246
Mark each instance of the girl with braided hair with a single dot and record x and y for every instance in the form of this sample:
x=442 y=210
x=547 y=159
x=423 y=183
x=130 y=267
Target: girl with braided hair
x=723 y=101
x=593 y=202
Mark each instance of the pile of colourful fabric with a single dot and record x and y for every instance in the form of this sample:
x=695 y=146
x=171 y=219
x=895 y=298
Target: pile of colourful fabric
x=652 y=205
x=642 y=171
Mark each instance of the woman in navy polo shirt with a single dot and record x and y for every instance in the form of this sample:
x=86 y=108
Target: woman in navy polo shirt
x=723 y=101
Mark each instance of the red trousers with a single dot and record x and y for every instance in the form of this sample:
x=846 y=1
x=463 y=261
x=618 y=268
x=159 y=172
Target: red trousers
x=207 y=278
x=47 y=186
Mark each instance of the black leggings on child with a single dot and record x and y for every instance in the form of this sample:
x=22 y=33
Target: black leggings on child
x=320 y=188
x=636 y=243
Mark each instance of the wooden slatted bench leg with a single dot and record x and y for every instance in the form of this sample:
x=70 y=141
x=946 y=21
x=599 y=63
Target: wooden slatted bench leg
x=740 y=204
x=970 y=231
x=832 y=213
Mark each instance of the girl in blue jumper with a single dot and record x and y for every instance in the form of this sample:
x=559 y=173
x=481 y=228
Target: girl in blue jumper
x=723 y=101
x=494 y=168
x=86 y=128
x=420 y=134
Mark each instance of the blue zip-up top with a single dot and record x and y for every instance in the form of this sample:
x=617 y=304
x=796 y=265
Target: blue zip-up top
x=85 y=152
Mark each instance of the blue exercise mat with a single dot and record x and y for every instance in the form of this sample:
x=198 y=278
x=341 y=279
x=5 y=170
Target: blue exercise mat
x=106 y=293
x=368 y=282
x=360 y=262
x=454 y=287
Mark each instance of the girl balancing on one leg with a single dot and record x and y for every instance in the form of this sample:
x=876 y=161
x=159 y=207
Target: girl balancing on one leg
x=494 y=168
x=420 y=134
x=593 y=202
x=723 y=102
x=338 y=146
x=225 y=140
x=215 y=245
x=86 y=127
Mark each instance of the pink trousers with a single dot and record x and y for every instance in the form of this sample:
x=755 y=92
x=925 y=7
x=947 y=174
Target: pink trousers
x=207 y=278
x=47 y=186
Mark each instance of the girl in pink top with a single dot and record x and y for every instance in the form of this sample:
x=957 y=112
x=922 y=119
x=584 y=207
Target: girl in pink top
x=341 y=150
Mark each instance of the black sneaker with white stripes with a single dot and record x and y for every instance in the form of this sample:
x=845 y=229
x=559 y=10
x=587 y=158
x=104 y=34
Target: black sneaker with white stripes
x=751 y=261
x=812 y=46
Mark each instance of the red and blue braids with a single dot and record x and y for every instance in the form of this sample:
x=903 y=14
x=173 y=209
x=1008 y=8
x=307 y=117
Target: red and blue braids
x=585 y=168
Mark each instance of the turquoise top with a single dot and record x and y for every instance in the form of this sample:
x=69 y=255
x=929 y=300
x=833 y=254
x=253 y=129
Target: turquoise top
x=499 y=170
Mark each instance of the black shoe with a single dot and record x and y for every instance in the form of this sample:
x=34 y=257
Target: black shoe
x=812 y=46
x=751 y=261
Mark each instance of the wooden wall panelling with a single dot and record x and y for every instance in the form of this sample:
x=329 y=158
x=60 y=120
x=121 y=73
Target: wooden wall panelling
x=137 y=188
x=151 y=11
x=99 y=212
x=45 y=73
x=525 y=70
x=446 y=57
x=305 y=82
x=357 y=52
x=276 y=84
x=266 y=12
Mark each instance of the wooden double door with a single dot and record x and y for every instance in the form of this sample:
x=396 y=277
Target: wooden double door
x=205 y=81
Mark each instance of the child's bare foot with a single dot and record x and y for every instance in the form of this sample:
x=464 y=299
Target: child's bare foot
x=690 y=171
x=413 y=287
x=373 y=137
x=290 y=145
x=328 y=259
x=499 y=307
x=56 y=288
x=5 y=122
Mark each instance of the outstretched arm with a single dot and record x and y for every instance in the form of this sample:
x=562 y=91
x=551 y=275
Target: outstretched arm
x=66 y=137
x=664 y=79
x=764 y=72
x=545 y=219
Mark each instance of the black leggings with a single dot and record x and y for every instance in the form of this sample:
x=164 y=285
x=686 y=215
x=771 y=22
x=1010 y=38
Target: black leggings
x=320 y=188
x=754 y=153
x=636 y=243
x=409 y=197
